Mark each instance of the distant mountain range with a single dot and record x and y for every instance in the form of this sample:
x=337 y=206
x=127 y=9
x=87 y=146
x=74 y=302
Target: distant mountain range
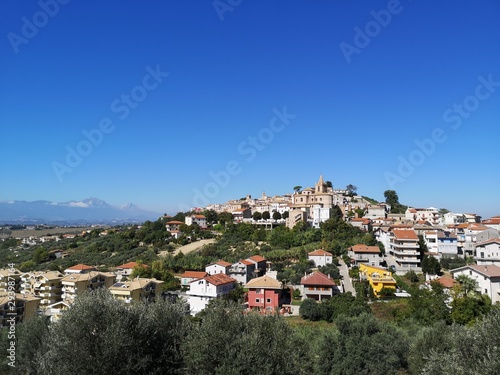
x=88 y=211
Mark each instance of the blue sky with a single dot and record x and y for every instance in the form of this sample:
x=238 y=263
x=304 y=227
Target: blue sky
x=188 y=102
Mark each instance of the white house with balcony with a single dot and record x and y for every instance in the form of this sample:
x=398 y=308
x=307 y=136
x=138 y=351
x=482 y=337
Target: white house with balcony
x=362 y=253
x=403 y=245
x=487 y=278
x=201 y=220
x=430 y=214
x=320 y=257
x=488 y=252
x=203 y=290
x=218 y=267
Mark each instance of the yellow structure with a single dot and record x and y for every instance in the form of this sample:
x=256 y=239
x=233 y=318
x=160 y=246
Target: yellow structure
x=379 y=278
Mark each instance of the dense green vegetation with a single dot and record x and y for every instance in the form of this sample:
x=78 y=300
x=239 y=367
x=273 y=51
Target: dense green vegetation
x=421 y=334
x=101 y=335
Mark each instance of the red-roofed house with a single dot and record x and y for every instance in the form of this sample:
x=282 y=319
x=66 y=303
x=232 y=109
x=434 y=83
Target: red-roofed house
x=203 y=290
x=260 y=265
x=201 y=220
x=403 y=245
x=320 y=257
x=318 y=286
x=487 y=278
x=362 y=223
x=189 y=276
x=79 y=268
x=173 y=225
x=365 y=254
x=218 y=267
x=493 y=222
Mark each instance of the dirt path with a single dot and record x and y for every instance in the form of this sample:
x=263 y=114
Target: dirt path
x=189 y=247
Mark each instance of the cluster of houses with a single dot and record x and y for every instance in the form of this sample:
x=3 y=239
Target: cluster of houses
x=264 y=293
x=51 y=292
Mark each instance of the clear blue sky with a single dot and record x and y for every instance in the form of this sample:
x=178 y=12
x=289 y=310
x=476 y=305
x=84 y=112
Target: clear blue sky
x=355 y=104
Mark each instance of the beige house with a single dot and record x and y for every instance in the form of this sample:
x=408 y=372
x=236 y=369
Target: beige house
x=74 y=285
x=6 y=275
x=44 y=285
x=139 y=289
x=23 y=307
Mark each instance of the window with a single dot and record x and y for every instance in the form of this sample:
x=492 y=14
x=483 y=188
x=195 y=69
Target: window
x=257 y=300
x=485 y=291
x=268 y=300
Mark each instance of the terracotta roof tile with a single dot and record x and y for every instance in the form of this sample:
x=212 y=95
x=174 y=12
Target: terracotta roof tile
x=257 y=258
x=317 y=278
x=319 y=252
x=219 y=279
x=223 y=263
x=361 y=248
x=405 y=234
x=194 y=274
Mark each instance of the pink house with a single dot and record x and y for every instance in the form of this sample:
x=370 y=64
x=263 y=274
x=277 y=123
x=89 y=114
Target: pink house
x=264 y=293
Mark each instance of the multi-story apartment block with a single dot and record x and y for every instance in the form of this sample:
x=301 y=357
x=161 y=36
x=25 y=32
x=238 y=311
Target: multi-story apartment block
x=75 y=284
x=488 y=252
x=44 y=285
x=7 y=275
x=21 y=308
x=139 y=289
x=403 y=245
x=430 y=215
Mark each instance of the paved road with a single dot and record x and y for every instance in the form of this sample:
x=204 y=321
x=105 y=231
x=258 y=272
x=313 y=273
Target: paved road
x=346 y=280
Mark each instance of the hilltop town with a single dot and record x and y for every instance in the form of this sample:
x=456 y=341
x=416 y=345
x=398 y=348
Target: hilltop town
x=400 y=243
x=303 y=255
